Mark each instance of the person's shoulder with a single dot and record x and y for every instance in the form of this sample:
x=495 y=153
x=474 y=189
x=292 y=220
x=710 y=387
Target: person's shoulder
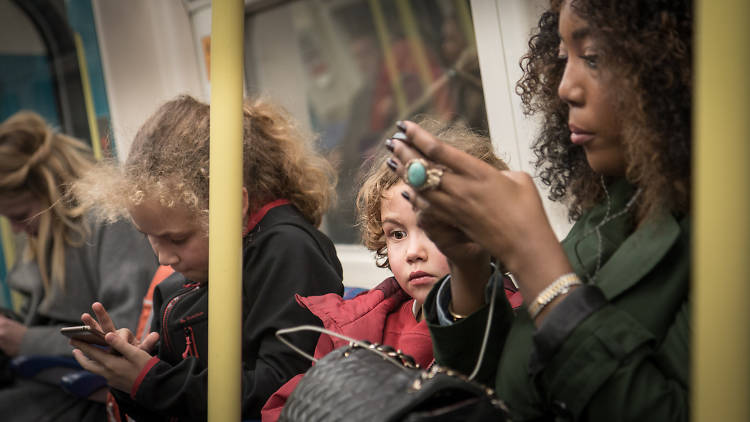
x=286 y=224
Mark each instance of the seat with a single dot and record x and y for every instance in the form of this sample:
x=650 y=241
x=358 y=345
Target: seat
x=350 y=292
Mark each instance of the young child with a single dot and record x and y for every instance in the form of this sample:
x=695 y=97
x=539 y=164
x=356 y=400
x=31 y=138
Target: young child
x=69 y=261
x=163 y=189
x=390 y=313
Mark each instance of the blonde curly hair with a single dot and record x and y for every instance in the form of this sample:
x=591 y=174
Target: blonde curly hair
x=35 y=158
x=169 y=161
x=380 y=178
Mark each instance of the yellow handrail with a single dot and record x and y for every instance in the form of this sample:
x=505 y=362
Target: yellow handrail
x=88 y=99
x=463 y=15
x=416 y=45
x=225 y=199
x=390 y=62
x=721 y=264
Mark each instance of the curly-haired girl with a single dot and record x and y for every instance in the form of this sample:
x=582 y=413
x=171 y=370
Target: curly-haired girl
x=607 y=331
x=391 y=312
x=163 y=190
x=70 y=260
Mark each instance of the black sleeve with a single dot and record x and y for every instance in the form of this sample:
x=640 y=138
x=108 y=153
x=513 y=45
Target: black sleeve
x=126 y=405
x=299 y=266
x=280 y=262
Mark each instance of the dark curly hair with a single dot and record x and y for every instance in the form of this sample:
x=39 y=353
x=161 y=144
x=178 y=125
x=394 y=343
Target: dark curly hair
x=646 y=45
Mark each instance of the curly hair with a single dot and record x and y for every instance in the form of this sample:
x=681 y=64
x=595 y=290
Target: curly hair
x=379 y=178
x=34 y=158
x=646 y=46
x=169 y=161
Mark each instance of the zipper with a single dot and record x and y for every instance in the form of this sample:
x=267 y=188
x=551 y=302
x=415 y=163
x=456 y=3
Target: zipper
x=191 y=348
x=170 y=306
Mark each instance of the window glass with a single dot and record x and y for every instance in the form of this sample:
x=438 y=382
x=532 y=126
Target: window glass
x=26 y=81
x=350 y=69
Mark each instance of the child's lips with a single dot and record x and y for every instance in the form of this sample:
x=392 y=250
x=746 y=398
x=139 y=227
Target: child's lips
x=418 y=278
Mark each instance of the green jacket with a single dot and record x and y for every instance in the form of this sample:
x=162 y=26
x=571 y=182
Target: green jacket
x=615 y=350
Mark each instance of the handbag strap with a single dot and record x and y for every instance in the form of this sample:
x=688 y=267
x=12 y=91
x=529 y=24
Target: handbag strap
x=395 y=356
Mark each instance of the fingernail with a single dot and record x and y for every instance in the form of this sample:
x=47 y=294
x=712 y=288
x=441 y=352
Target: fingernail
x=401 y=136
x=406 y=195
x=389 y=145
x=392 y=164
x=401 y=126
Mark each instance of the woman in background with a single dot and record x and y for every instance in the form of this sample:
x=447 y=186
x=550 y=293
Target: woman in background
x=68 y=262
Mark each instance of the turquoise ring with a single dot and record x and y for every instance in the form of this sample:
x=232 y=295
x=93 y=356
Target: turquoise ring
x=416 y=172
x=422 y=177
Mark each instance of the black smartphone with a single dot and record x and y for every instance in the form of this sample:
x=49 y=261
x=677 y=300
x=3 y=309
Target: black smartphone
x=85 y=333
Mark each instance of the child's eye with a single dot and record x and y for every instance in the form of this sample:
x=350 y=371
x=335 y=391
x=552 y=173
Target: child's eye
x=397 y=234
x=178 y=241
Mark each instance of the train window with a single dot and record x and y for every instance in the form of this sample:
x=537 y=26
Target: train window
x=26 y=80
x=43 y=45
x=351 y=68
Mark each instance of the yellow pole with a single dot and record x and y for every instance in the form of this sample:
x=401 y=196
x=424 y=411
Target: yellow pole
x=9 y=244
x=88 y=98
x=390 y=62
x=464 y=19
x=721 y=265
x=225 y=213
x=411 y=28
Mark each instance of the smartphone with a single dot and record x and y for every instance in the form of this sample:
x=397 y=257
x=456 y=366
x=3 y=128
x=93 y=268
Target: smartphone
x=85 y=333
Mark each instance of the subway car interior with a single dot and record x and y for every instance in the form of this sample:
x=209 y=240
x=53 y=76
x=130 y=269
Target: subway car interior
x=346 y=71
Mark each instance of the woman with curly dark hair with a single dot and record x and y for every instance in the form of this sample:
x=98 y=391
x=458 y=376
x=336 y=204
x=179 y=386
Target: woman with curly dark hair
x=606 y=331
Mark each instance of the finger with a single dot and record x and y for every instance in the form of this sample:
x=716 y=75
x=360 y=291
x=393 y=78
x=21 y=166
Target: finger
x=127 y=350
x=89 y=364
x=92 y=352
x=437 y=151
x=104 y=320
x=126 y=334
x=87 y=319
x=149 y=342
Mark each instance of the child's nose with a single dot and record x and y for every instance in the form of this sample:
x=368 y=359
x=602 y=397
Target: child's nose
x=166 y=257
x=416 y=250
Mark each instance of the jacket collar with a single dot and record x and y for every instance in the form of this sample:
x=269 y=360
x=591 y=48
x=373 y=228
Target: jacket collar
x=647 y=246
x=619 y=247
x=363 y=316
x=255 y=218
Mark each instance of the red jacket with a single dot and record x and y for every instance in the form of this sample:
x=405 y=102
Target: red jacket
x=380 y=315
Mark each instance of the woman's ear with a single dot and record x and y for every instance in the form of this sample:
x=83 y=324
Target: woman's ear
x=245 y=203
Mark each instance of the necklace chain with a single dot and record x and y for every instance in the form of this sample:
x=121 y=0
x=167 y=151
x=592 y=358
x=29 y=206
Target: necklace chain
x=607 y=218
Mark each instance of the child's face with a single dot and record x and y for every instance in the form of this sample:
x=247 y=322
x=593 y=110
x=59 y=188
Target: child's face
x=593 y=118
x=415 y=261
x=176 y=236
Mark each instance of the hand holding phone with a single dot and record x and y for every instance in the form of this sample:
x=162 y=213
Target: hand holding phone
x=86 y=334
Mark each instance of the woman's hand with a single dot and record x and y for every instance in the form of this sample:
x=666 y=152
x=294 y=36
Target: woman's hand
x=469 y=261
x=11 y=334
x=120 y=371
x=500 y=210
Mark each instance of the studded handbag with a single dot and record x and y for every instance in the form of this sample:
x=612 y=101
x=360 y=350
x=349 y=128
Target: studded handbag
x=371 y=382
